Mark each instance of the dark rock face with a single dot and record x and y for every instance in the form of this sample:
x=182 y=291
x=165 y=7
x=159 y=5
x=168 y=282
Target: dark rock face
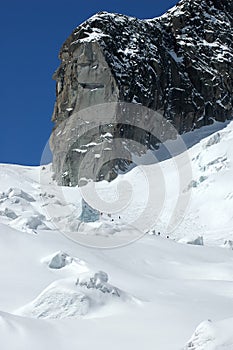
x=180 y=65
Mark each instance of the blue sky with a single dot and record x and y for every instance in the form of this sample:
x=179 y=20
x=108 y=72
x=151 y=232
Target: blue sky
x=31 y=35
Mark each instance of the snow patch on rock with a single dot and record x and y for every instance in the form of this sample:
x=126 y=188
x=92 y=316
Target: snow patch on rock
x=60 y=260
x=16 y=192
x=194 y=241
x=228 y=244
x=8 y=213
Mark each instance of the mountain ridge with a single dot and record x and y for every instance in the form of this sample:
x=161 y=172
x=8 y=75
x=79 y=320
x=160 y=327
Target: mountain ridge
x=179 y=65
x=171 y=20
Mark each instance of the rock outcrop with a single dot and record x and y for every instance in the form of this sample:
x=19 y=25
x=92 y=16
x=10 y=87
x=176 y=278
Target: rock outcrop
x=179 y=65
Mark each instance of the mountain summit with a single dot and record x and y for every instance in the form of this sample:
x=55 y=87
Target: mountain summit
x=179 y=64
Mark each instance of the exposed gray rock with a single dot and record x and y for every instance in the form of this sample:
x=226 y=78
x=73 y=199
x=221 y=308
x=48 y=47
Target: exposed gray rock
x=84 y=79
x=179 y=65
x=36 y=221
x=193 y=241
x=9 y=213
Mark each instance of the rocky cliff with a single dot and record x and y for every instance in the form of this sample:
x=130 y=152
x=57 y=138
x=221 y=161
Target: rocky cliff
x=179 y=65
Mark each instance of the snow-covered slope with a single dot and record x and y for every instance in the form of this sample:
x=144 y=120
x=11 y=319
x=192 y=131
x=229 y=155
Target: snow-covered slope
x=30 y=200
x=152 y=294
x=212 y=186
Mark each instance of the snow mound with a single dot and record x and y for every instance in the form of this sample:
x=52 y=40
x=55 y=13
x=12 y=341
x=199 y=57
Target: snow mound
x=57 y=302
x=212 y=336
x=228 y=244
x=203 y=337
x=66 y=299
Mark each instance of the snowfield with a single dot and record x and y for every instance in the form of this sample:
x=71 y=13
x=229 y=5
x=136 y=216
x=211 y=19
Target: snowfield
x=158 y=293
